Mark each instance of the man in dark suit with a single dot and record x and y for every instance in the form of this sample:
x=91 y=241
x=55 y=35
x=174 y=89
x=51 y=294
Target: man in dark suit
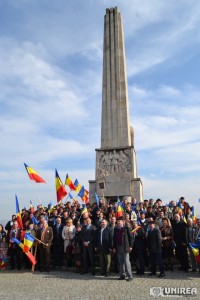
x=154 y=241
x=57 y=243
x=15 y=250
x=122 y=245
x=139 y=247
x=179 y=228
x=88 y=239
x=103 y=244
x=45 y=235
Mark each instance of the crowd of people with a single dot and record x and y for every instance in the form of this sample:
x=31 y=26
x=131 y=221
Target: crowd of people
x=142 y=236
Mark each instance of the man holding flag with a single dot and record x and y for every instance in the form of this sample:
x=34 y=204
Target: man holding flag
x=45 y=235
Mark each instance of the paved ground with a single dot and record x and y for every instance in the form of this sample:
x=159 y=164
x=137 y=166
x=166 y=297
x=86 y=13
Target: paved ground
x=68 y=285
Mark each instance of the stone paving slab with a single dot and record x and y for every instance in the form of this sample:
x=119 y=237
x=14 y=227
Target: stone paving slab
x=69 y=285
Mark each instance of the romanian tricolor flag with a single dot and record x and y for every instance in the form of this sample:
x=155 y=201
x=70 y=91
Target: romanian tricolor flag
x=33 y=175
x=73 y=199
x=34 y=220
x=28 y=254
x=77 y=185
x=28 y=242
x=134 y=230
x=31 y=208
x=195 y=251
x=84 y=209
x=51 y=207
x=120 y=210
x=3 y=263
x=81 y=192
x=184 y=218
x=70 y=183
x=194 y=217
x=60 y=189
x=85 y=197
x=18 y=213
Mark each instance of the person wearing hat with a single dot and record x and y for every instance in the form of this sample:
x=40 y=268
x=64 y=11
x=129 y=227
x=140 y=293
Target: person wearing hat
x=122 y=245
x=142 y=220
x=149 y=213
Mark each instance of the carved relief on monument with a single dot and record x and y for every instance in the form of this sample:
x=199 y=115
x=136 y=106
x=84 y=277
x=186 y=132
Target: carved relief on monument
x=113 y=162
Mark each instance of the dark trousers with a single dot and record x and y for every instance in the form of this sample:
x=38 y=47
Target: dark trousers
x=44 y=258
x=146 y=258
x=15 y=258
x=182 y=256
x=57 y=254
x=140 y=255
x=156 y=259
x=115 y=260
x=88 y=258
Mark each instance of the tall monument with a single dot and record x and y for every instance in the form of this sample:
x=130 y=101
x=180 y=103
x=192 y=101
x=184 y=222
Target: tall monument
x=116 y=170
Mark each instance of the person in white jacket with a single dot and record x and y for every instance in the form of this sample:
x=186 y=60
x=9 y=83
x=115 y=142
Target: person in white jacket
x=68 y=234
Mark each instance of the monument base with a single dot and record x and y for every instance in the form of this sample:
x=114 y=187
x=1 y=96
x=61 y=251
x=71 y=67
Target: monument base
x=124 y=190
x=116 y=174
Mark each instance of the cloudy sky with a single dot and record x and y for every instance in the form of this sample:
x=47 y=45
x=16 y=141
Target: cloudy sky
x=50 y=94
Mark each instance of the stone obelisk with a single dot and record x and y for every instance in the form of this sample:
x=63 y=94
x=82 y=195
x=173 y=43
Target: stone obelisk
x=116 y=170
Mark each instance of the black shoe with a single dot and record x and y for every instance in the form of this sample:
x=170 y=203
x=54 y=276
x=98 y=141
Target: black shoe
x=180 y=269
x=121 y=278
x=141 y=273
x=161 y=275
x=152 y=274
x=194 y=270
x=93 y=273
x=186 y=270
x=83 y=273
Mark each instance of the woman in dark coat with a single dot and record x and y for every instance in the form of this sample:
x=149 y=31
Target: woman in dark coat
x=167 y=244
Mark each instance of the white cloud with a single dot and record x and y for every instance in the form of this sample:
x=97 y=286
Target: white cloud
x=51 y=79
x=166 y=123
x=170 y=189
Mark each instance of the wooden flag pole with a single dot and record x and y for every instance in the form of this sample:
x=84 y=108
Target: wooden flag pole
x=35 y=253
x=39 y=241
x=68 y=195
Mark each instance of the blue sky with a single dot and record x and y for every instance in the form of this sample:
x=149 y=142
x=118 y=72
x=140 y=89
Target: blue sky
x=50 y=99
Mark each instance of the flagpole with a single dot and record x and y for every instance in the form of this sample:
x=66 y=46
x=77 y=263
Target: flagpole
x=35 y=253
x=39 y=241
x=67 y=196
x=103 y=198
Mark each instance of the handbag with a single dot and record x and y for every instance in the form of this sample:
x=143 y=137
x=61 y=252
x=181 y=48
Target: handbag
x=173 y=244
